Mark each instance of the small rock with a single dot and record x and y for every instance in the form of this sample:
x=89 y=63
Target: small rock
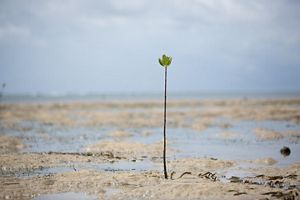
x=235 y=179
x=285 y=151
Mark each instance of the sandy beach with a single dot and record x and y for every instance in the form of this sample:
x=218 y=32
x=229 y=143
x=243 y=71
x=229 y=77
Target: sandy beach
x=217 y=149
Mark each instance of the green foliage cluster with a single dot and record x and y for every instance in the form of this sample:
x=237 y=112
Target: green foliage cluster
x=165 y=61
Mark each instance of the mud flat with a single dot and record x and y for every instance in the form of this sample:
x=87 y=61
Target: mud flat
x=194 y=179
x=217 y=149
x=10 y=144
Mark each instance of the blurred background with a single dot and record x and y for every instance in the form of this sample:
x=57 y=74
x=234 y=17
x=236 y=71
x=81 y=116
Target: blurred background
x=112 y=46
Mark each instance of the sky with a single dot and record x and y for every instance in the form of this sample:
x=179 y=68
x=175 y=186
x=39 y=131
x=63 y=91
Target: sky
x=112 y=46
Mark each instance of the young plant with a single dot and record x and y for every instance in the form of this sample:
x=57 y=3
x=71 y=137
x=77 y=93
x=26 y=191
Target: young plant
x=165 y=61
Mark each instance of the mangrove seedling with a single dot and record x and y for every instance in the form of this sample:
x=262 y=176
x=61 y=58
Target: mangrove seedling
x=165 y=61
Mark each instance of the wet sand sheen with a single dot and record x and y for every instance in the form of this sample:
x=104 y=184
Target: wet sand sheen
x=113 y=150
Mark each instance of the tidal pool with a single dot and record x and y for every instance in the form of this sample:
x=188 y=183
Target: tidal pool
x=66 y=196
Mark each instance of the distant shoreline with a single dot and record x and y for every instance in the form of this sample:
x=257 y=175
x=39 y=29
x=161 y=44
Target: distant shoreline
x=40 y=98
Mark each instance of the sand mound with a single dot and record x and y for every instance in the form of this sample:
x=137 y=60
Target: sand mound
x=265 y=134
x=9 y=144
x=128 y=149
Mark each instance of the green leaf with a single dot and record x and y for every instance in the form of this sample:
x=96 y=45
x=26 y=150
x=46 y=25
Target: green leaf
x=169 y=61
x=164 y=57
x=160 y=62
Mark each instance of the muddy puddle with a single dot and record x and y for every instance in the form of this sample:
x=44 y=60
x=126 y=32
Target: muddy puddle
x=238 y=142
x=66 y=196
x=92 y=150
x=110 y=166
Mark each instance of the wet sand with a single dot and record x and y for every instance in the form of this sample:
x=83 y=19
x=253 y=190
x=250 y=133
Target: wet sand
x=112 y=150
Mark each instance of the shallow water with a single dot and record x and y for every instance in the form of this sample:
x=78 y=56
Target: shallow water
x=241 y=144
x=188 y=143
x=47 y=138
x=122 y=165
x=67 y=196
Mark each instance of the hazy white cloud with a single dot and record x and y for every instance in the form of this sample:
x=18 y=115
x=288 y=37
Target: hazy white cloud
x=220 y=11
x=129 y=5
x=12 y=31
x=238 y=39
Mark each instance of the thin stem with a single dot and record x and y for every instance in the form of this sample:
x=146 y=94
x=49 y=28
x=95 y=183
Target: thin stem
x=165 y=120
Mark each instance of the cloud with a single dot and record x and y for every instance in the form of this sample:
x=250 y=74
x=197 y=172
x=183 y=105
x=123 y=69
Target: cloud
x=232 y=38
x=13 y=31
x=221 y=11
